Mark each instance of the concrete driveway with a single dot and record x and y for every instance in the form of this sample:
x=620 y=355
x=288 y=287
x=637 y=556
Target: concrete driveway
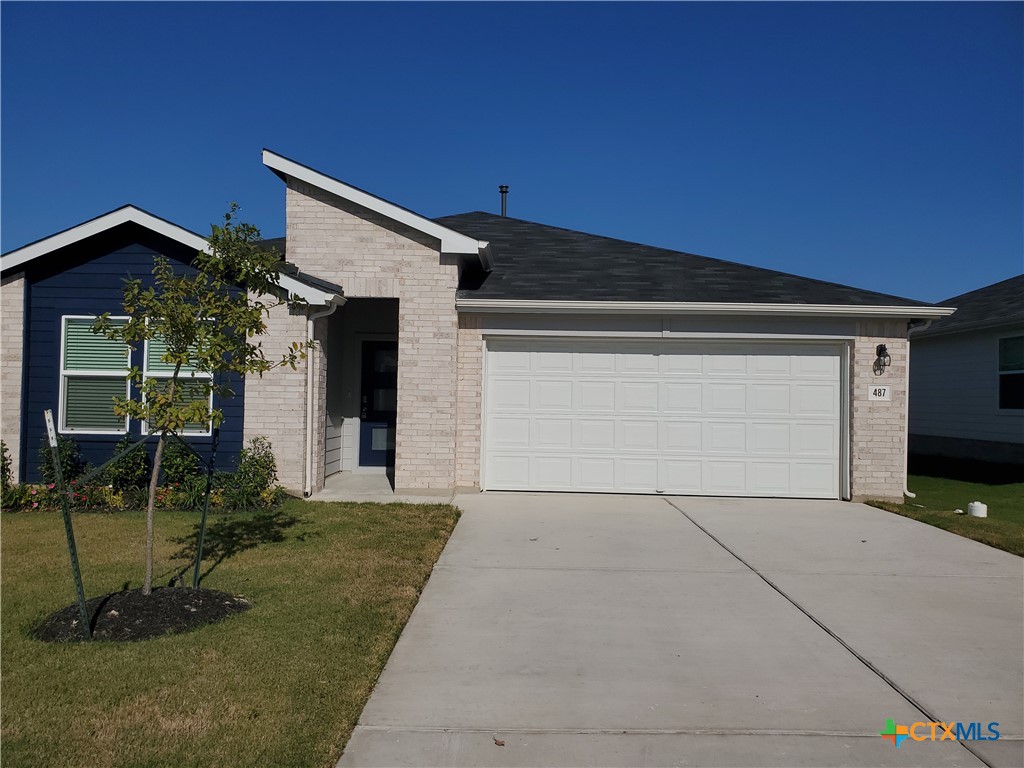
x=656 y=631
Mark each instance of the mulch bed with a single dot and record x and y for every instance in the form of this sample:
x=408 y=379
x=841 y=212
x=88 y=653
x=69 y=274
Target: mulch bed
x=130 y=615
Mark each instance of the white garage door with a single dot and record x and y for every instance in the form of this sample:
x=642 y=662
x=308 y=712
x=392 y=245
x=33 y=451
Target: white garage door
x=724 y=419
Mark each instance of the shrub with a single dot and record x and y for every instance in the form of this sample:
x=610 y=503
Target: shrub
x=6 y=479
x=190 y=493
x=257 y=473
x=72 y=464
x=131 y=471
x=179 y=464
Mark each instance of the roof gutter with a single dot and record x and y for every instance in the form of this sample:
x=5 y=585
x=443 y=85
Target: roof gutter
x=533 y=306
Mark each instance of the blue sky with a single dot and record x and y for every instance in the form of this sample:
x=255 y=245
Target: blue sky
x=874 y=144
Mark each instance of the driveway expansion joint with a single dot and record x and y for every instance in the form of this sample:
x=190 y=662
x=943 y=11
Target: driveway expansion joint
x=885 y=678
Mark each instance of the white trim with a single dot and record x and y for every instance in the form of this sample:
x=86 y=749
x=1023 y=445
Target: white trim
x=681 y=335
x=451 y=241
x=532 y=306
x=131 y=214
x=845 y=445
x=85 y=374
x=1000 y=411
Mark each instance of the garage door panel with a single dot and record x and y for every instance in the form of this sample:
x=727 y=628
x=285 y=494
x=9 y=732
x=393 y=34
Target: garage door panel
x=681 y=397
x=722 y=398
x=681 y=436
x=593 y=474
x=509 y=395
x=636 y=396
x=552 y=395
x=770 y=437
x=725 y=437
x=687 y=417
x=680 y=476
x=594 y=396
x=769 y=478
x=551 y=433
x=551 y=472
x=509 y=431
x=594 y=434
x=637 y=435
x=636 y=474
x=815 y=400
x=728 y=477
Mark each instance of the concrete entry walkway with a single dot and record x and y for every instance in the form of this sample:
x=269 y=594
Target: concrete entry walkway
x=620 y=631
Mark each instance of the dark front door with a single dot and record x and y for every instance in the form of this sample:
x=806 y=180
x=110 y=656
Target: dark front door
x=379 y=404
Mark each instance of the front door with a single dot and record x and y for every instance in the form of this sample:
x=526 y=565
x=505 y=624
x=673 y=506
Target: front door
x=379 y=404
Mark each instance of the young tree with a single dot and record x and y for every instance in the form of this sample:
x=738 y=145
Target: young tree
x=208 y=322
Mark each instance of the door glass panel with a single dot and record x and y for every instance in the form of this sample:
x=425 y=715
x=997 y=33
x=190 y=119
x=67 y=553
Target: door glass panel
x=385 y=400
x=385 y=361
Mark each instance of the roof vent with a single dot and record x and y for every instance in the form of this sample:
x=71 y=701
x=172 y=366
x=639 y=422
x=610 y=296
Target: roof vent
x=503 y=188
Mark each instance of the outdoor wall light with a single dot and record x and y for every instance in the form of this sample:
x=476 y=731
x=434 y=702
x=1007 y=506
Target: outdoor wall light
x=882 y=360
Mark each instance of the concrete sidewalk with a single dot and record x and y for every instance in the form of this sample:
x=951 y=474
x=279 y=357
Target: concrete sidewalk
x=615 y=631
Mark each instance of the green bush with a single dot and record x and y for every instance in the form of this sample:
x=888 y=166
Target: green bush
x=257 y=473
x=179 y=464
x=6 y=480
x=131 y=471
x=72 y=464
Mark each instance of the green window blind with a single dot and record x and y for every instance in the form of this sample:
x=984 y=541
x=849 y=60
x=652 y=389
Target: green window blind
x=89 y=403
x=88 y=351
x=156 y=348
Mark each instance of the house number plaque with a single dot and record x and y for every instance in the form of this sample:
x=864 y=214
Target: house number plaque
x=878 y=392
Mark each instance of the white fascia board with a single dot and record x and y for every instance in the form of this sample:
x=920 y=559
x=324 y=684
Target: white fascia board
x=125 y=215
x=451 y=241
x=522 y=306
x=131 y=214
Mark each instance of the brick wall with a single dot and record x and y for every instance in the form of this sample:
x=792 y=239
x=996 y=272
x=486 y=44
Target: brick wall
x=374 y=257
x=12 y=320
x=877 y=428
x=275 y=404
x=469 y=389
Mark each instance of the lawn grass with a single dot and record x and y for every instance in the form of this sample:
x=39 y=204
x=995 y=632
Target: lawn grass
x=283 y=684
x=938 y=497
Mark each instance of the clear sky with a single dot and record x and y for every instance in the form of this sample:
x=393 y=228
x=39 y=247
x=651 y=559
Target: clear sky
x=874 y=144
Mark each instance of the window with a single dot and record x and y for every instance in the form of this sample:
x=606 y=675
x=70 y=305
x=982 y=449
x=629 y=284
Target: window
x=1011 y=373
x=192 y=382
x=93 y=371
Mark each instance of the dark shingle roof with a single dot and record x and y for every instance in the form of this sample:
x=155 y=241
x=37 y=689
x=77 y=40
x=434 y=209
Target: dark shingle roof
x=540 y=262
x=292 y=270
x=1001 y=303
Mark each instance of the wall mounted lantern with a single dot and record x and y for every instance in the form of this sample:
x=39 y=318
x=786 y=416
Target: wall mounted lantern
x=882 y=360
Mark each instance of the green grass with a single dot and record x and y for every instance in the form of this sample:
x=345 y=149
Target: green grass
x=938 y=497
x=283 y=684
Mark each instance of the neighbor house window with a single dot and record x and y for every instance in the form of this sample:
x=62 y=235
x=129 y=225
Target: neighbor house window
x=192 y=382
x=93 y=371
x=1011 y=373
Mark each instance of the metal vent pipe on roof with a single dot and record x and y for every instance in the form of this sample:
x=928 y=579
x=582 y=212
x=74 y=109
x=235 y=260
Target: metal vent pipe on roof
x=503 y=188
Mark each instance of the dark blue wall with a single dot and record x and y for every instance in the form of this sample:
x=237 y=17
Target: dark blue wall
x=86 y=279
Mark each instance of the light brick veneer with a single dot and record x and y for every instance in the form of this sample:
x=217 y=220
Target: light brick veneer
x=469 y=391
x=275 y=405
x=371 y=256
x=12 y=333
x=877 y=428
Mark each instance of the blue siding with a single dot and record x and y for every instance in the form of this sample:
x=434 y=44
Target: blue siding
x=87 y=279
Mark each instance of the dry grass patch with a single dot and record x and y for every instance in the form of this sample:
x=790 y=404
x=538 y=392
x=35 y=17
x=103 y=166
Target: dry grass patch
x=332 y=585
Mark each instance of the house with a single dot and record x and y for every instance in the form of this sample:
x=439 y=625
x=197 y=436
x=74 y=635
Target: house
x=486 y=352
x=967 y=379
x=51 y=291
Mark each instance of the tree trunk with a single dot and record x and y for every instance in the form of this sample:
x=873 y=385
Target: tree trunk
x=147 y=585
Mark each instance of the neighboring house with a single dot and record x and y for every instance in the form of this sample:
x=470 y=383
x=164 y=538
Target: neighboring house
x=967 y=378
x=51 y=292
x=478 y=351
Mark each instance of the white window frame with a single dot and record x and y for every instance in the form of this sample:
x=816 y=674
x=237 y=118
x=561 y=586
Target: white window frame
x=146 y=373
x=66 y=373
x=1000 y=374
